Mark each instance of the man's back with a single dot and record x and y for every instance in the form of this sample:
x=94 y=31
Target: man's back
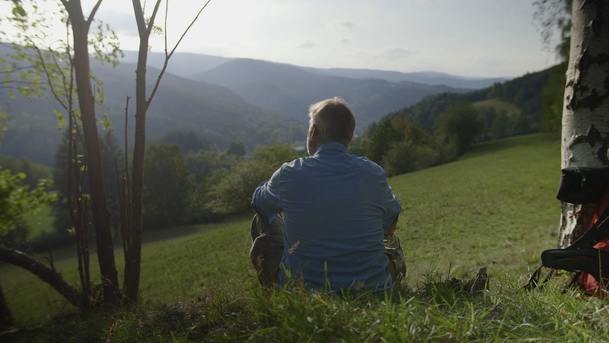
x=336 y=207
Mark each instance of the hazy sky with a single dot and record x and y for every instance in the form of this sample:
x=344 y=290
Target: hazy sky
x=466 y=37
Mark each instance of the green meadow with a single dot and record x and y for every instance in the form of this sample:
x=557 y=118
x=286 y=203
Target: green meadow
x=493 y=208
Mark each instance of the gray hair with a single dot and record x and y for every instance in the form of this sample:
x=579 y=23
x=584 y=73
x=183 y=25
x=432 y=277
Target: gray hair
x=333 y=119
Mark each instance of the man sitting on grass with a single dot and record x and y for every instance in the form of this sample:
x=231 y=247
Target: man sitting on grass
x=323 y=219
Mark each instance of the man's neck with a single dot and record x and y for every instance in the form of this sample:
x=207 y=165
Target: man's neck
x=331 y=147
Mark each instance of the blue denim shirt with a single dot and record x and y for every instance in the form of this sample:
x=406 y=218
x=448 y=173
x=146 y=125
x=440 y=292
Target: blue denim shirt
x=336 y=207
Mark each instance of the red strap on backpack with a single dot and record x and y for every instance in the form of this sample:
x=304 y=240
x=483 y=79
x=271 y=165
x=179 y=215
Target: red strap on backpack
x=587 y=282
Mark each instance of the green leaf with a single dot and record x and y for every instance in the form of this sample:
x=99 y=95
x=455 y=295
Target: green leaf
x=60 y=119
x=18 y=11
x=105 y=121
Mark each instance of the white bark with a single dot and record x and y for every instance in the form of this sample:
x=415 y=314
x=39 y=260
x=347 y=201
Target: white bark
x=585 y=122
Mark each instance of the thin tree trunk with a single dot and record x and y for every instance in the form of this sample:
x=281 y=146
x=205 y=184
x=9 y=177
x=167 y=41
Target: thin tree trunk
x=133 y=263
x=585 y=122
x=134 y=211
x=6 y=318
x=101 y=215
x=46 y=274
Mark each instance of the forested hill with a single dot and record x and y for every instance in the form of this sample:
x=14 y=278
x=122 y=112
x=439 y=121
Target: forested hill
x=215 y=112
x=510 y=107
x=442 y=127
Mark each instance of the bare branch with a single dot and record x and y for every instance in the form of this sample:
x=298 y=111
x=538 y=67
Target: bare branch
x=192 y=22
x=120 y=184
x=158 y=81
x=16 y=69
x=165 y=27
x=17 y=82
x=63 y=75
x=168 y=56
x=126 y=133
x=3 y=86
x=46 y=274
x=125 y=199
x=93 y=12
x=48 y=77
x=153 y=17
x=70 y=93
x=51 y=260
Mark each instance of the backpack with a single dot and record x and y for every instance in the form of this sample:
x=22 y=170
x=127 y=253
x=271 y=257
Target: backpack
x=588 y=255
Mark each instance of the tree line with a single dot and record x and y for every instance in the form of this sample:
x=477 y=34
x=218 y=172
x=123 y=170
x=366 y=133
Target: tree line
x=441 y=128
x=403 y=145
x=187 y=180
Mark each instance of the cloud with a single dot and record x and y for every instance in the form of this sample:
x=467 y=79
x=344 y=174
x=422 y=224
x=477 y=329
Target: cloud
x=121 y=22
x=396 y=53
x=307 y=45
x=345 y=41
x=346 y=24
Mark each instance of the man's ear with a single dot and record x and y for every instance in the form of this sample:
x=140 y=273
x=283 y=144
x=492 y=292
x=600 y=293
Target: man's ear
x=313 y=132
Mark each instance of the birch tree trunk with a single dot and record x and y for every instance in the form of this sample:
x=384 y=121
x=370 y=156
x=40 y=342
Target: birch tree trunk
x=585 y=122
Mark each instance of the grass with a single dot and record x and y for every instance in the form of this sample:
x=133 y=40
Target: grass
x=39 y=222
x=495 y=207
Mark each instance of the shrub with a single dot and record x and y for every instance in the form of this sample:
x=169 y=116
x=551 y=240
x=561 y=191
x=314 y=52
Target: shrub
x=406 y=156
x=460 y=123
x=166 y=187
x=233 y=190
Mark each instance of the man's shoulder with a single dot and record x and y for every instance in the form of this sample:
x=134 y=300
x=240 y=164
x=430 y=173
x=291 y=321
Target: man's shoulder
x=303 y=165
x=368 y=166
x=291 y=166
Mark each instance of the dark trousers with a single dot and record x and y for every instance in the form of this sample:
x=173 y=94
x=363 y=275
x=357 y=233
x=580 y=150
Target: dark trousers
x=267 y=250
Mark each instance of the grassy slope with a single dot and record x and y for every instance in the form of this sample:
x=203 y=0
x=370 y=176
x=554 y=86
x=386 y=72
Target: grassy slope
x=498 y=105
x=494 y=207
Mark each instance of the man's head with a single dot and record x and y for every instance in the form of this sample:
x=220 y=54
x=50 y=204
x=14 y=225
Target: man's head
x=330 y=121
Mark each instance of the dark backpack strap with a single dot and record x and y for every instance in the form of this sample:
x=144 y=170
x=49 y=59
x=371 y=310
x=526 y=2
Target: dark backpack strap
x=533 y=279
x=534 y=282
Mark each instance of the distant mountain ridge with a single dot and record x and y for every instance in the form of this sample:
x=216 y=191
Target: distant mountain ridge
x=289 y=89
x=424 y=77
x=182 y=64
x=188 y=65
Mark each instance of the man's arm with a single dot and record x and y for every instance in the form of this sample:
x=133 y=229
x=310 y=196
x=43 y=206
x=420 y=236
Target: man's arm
x=392 y=228
x=391 y=208
x=266 y=200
